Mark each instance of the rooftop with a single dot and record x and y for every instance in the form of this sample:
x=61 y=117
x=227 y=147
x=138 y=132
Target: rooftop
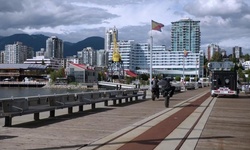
x=22 y=66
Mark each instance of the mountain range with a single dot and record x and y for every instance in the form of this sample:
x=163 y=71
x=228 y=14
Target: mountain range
x=39 y=41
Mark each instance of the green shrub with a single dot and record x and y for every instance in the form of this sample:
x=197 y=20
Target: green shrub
x=178 y=78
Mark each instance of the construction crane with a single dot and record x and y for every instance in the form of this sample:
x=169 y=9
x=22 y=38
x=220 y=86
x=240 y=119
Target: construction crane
x=115 y=65
x=116 y=57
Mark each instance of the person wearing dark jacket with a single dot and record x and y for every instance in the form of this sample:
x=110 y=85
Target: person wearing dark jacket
x=155 y=86
x=166 y=86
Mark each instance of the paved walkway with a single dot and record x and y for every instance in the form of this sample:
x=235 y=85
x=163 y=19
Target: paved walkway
x=194 y=121
x=200 y=122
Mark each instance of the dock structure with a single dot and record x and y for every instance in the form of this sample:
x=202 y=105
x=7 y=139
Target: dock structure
x=22 y=84
x=194 y=120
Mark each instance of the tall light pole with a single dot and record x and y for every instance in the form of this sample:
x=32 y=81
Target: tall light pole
x=150 y=71
x=183 y=67
x=185 y=53
x=197 y=62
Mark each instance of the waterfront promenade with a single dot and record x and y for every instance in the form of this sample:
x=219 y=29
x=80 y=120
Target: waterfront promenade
x=216 y=123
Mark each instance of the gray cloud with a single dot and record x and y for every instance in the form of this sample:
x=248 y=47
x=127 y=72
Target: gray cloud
x=112 y=2
x=37 y=14
x=11 y=6
x=221 y=8
x=224 y=22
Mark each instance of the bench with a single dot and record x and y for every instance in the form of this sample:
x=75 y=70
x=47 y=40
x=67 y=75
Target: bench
x=36 y=104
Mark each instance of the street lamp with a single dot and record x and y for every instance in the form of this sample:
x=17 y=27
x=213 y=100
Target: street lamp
x=185 y=53
x=197 y=63
x=183 y=68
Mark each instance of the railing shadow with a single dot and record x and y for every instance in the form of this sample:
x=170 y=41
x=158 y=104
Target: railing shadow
x=60 y=118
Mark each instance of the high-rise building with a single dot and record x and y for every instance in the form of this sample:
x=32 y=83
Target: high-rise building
x=223 y=53
x=211 y=49
x=237 y=52
x=101 y=55
x=41 y=52
x=185 y=35
x=1 y=57
x=109 y=37
x=54 y=47
x=17 y=53
x=87 y=56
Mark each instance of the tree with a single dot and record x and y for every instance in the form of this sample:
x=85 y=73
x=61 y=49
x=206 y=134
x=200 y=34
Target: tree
x=129 y=80
x=49 y=70
x=247 y=57
x=53 y=76
x=187 y=78
x=101 y=76
x=233 y=59
x=144 y=77
x=178 y=78
x=217 y=57
x=241 y=74
x=57 y=74
x=61 y=73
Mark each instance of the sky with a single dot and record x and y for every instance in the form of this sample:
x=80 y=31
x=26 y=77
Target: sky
x=222 y=22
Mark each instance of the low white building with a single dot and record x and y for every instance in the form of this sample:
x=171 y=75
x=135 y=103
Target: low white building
x=136 y=56
x=51 y=63
x=82 y=73
x=246 y=65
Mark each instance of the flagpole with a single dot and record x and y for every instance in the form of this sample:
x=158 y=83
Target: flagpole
x=154 y=26
x=151 y=47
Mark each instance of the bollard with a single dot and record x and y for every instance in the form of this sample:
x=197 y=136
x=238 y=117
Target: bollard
x=144 y=94
x=8 y=121
x=80 y=108
x=70 y=110
x=52 y=113
x=36 y=116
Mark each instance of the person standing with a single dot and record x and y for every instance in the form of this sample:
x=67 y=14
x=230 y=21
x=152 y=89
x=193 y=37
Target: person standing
x=155 y=86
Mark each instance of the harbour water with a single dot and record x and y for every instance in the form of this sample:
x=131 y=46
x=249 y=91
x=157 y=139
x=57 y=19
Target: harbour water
x=7 y=92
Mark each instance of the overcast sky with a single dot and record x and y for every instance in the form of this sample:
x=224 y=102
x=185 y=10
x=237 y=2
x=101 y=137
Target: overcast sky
x=223 y=22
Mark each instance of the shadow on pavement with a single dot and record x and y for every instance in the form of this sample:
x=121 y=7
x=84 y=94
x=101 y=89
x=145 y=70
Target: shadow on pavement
x=3 y=137
x=56 y=119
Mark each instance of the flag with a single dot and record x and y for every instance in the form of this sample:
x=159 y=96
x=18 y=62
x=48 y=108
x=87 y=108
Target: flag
x=185 y=53
x=156 y=26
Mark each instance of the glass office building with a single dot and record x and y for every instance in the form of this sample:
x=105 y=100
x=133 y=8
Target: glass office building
x=185 y=35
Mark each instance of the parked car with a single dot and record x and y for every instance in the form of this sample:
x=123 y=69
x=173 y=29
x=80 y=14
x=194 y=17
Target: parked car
x=7 y=80
x=199 y=85
x=190 y=86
